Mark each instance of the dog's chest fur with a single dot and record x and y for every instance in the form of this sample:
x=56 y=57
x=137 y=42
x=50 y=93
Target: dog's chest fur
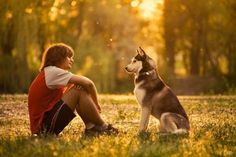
x=139 y=92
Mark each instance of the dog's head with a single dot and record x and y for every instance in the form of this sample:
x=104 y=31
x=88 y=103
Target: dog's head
x=140 y=63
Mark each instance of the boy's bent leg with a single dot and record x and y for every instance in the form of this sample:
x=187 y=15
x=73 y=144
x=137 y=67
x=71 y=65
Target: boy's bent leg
x=71 y=97
x=57 y=118
x=87 y=110
x=79 y=99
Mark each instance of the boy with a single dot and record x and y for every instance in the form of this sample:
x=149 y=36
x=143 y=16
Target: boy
x=56 y=93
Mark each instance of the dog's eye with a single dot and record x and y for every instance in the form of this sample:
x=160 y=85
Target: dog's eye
x=134 y=61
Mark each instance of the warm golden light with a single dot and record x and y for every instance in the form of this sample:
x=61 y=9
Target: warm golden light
x=148 y=7
x=9 y=14
x=73 y=3
x=118 y=6
x=28 y=10
x=134 y=3
x=55 y=9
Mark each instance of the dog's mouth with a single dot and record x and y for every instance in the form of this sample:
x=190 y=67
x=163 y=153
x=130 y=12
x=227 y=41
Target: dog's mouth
x=129 y=71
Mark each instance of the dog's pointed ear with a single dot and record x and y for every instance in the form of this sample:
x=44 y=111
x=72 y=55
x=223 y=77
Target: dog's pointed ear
x=141 y=51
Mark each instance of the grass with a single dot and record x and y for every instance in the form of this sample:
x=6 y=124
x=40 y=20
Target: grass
x=212 y=119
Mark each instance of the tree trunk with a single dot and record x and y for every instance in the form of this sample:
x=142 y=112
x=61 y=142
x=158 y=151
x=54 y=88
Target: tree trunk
x=81 y=10
x=169 y=36
x=170 y=45
x=197 y=45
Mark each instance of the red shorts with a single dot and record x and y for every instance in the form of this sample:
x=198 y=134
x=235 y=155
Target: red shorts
x=57 y=118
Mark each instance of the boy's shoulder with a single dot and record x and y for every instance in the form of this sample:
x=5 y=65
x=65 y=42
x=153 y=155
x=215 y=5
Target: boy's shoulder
x=52 y=72
x=56 y=77
x=54 y=69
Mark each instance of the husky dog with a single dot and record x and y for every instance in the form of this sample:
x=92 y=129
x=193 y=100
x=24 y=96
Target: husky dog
x=156 y=98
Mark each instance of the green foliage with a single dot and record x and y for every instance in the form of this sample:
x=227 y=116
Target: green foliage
x=201 y=32
x=188 y=37
x=94 y=29
x=96 y=64
x=212 y=120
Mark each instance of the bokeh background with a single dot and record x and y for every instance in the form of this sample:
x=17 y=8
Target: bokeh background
x=192 y=41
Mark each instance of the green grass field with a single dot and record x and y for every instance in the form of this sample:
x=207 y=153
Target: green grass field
x=212 y=119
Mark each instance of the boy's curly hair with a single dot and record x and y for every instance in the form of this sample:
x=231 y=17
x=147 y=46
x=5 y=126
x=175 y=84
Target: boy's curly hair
x=55 y=55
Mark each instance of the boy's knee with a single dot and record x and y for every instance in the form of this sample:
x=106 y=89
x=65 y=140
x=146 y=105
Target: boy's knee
x=78 y=88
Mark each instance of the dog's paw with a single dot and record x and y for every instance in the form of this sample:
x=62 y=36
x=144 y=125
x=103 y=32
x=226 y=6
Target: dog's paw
x=144 y=135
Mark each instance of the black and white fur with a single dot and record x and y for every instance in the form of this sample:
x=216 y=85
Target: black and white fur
x=155 y=97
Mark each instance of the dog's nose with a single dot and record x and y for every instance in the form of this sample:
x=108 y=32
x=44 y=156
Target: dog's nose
x=126 y=68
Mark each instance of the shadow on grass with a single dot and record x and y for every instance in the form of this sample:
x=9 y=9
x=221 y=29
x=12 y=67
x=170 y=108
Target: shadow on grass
x=171 y=137
x=161 y=137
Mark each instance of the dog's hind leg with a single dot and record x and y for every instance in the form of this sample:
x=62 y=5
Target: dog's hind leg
x=145 y=115
x=173 y=123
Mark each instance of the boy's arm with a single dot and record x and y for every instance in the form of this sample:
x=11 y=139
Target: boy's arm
x=88 y=85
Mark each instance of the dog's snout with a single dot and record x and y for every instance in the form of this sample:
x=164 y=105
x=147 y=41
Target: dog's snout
x=126 y=68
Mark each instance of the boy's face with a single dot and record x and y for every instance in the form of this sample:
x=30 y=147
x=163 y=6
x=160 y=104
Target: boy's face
x=67 y=63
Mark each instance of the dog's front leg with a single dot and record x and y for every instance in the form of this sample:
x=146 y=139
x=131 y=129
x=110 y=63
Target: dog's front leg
x=145 y=115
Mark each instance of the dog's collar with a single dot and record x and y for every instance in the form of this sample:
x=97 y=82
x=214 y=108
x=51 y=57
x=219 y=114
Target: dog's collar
x=147 y=73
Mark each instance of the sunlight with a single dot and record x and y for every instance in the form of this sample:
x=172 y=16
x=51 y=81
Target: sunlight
x=134 y=3
x=28 y=10
x=73 y=3
x=9 y=14
x=54 y=9
x=148 y=7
